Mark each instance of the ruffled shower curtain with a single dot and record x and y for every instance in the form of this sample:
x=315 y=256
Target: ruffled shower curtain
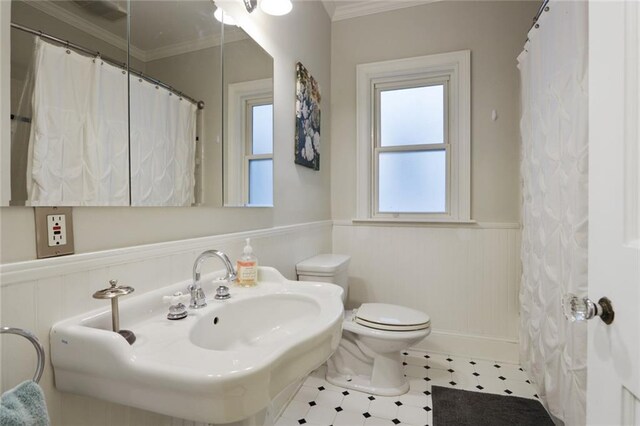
x=163 y=135
x=78 y=140
x=554 y=162
x=79 y=150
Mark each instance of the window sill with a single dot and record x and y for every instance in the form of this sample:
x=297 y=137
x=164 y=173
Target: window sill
x=414 y=221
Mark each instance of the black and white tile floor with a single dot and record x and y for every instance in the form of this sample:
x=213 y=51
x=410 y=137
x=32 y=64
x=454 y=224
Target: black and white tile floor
x=320 y=403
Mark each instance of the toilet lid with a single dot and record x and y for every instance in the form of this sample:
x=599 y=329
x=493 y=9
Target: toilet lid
x=383 y=316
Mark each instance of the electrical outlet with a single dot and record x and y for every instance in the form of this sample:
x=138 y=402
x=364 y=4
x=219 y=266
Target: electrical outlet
x=54 y=231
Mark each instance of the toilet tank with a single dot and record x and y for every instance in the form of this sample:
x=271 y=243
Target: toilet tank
x=328 y=268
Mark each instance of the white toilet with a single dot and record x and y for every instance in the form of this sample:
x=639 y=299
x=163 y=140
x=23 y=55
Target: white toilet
x=368 y=358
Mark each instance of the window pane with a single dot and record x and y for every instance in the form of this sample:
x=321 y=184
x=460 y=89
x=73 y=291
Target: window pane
x=261 y=182
x=412 y=116
x=262 y=125
x=412 y=182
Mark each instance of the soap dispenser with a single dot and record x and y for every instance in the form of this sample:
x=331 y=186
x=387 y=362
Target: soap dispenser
x=247 y=267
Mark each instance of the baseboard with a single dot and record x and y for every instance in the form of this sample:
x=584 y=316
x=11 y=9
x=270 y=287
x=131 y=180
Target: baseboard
x=480 y=347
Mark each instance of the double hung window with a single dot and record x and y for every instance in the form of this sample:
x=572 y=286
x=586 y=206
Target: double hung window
x=413 y=139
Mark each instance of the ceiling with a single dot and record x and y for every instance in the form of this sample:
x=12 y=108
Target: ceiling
x=161 y=28
x=158 y=28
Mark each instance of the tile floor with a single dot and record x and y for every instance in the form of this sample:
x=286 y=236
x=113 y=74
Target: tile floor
x=320 y=403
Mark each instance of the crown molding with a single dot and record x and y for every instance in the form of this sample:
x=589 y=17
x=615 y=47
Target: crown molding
x=58 y=12
x=194 y=45
x=330 y=7
x=364 y=8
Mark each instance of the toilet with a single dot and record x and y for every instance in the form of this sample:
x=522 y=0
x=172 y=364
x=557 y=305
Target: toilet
x=374 y=335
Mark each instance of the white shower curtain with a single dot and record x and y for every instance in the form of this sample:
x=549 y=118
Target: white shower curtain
x=78 y=136
x=163 y=140
x=553 y=69
x=79 y=142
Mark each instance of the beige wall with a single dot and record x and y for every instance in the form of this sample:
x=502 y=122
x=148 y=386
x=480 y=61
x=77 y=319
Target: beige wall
x=495 y=32
x=300 y=194
x=465 y=277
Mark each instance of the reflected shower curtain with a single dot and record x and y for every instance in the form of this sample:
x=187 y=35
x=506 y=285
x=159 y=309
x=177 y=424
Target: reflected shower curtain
x=163 y=138
x=79 y=139
x=554 y=162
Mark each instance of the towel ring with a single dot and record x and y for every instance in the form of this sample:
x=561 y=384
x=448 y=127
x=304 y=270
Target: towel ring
x=36 y=344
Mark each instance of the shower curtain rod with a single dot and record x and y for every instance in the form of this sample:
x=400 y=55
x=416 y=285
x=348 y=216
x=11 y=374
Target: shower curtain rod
x=68 y=44
x=543 y=8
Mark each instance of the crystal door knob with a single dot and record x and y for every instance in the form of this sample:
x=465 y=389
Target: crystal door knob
x=582 y=308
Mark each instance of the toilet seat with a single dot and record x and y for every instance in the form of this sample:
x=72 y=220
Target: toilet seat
x=383 y=316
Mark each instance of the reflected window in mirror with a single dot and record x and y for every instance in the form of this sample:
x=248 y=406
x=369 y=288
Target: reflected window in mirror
x=259 y=153
x=248 y=123
x=249 y=148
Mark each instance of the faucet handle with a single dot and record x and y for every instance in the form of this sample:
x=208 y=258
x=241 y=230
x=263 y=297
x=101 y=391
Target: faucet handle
x=222 y=292
x=177 y=310
x=176 y=298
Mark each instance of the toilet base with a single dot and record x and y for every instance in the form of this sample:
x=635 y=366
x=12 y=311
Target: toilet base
x=354 y=365
x=363 y=384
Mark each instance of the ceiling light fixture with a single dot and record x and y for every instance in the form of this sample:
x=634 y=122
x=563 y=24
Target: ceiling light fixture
x=276 y=7
x=224 y=17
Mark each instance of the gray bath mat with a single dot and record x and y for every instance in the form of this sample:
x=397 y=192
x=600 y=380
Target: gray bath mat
x=455 y=407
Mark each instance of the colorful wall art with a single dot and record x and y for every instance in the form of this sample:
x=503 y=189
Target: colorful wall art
x=307 y=143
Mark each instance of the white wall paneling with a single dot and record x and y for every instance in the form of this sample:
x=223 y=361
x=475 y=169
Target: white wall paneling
x=465 y=278
x=36 y=294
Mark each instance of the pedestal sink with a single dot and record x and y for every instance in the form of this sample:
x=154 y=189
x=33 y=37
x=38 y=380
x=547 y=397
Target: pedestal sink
x=222 y=364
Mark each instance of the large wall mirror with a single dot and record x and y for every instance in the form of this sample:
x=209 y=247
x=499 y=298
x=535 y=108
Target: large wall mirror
x=105 y=117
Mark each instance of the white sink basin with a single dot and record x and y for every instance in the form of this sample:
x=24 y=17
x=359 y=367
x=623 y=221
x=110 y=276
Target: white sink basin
x=223 y=363
x=255 y=322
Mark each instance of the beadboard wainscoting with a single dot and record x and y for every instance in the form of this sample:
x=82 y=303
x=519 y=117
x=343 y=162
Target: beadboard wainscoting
x=465 y=277
x=36 y=294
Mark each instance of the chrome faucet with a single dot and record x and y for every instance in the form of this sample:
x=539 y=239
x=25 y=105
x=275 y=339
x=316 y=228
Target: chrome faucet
x=198 y=299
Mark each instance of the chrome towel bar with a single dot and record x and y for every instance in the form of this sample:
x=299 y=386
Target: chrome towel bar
x=36 y=344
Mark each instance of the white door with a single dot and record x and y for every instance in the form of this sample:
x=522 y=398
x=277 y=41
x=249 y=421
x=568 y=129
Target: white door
x=613 y=384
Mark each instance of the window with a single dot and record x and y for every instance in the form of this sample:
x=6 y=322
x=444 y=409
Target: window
x=413 y=139
x=248 y=151
x=258 y=165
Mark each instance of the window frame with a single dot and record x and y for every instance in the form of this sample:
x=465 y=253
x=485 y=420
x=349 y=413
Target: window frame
x=454 y=70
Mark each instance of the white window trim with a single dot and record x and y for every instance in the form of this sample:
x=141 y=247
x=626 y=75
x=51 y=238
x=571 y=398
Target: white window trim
x=238 y=95
x=457 y=67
